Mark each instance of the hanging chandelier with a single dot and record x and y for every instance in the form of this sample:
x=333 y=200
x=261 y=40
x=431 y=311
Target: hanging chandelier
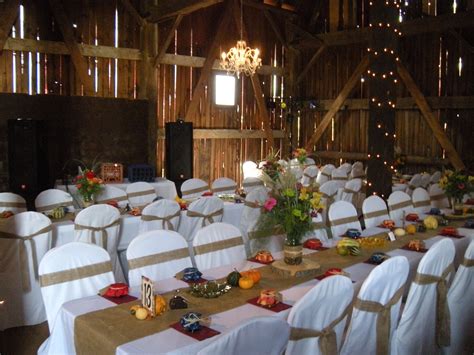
x=241 y=58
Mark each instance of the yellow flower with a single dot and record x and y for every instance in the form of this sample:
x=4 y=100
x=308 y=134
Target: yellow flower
x=304 y=194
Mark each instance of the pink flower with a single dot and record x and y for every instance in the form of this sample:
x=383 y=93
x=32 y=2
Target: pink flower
x=461 y=186
x=270 y=203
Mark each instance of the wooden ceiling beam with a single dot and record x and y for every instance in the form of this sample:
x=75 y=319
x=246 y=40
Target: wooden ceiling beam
x=166 y=10
x=78 y=60
x=275 y=28
x=8 y=17
x=277 y=10
x=463 y=41
x=221 y=30
x=166 y=42
x=338 y=102
x=430 y=118
x=133 y=12
x=310 y=64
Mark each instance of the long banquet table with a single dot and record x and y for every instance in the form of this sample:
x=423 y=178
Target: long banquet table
x=62 y=339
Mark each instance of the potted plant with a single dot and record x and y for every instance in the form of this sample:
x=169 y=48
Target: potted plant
x=291 y=207
x=456 y=184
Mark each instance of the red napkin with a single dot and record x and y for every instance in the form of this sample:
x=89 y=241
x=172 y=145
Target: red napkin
x=422 y=250
x=120 y=300
x=277 y=308
x=201 y=334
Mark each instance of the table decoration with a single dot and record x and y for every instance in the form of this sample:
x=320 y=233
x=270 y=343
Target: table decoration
x=469 y=224
x=290 y=206
x=353 y=233
x=88 y=185
x=434 y=211
x=178 y=301
x=111 y=172
x=348 y=246
x=430 y=222
x=399 y=232
x=314 y=244
x=192 y=324
x=415 y=245
x=373 y=242
x=306 y=268
x=377 y=258
x=115 y=290
x=271 y=166
x=233 y=278
x=300 y=154
x=246 y=282
x=333 y=271
x=456 y=184
x=190 y=274
x=209 y=289
x=421 y=228
x=411 y=229
x=459 y=217
x=262 y=257
x=58 y=212
x=388 y=223
x=451 y=232
x=412 y=217
x=6 y=214
x=254 y=274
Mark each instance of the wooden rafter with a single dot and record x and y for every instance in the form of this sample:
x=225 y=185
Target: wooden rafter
x=430 y=118
x=167 y=40
x=256 y=85
x=275 y=27
x=78 y=60
x=7 y=19
x=463 y=41
x=133 y=12
x=172 y=8
x=221 y=30
x=310 y=64
x=338 y=102
x=277 y=10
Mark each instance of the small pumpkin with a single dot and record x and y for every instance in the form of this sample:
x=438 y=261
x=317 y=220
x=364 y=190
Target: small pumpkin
x=160 y=305
x=430 y=222
x=399 y=232
x=254 y=274
x=233 y=278
x=246 y=282
x=141 y=313
x=410 y=229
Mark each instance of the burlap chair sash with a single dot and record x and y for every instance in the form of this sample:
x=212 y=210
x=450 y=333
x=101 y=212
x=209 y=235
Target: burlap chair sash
x=326 y=174
x=13 y=204
x=411 y=187
x=327 y=336
x=53 y=206
x=374 y=214
x=24 y=260
x=118 y=199
x=102 y=230
x=400 y=205
x=358 y=176
x=339 y=178
x=438 y=197
x=141 y=193
x=443 y=318
x=224 y=188
x=346 y=220
x=205 y=217
x=252 y=184
x=195 y=191
x=159 y=258
x=318 y=225
x=329 y=198
x=312 y=179
x=216 y=246
x=422 y=203
x=467 y=262
x=349 y=191
x=165 y=220
x=383 y=318
x=252 y=204
x=78 y=273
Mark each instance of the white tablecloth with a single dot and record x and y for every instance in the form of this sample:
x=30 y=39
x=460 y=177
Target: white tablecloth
x=163 y=187
x=171 y=341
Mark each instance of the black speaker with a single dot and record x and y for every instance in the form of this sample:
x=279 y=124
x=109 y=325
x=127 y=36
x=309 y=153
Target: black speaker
x=28 y=168
x=179 y=151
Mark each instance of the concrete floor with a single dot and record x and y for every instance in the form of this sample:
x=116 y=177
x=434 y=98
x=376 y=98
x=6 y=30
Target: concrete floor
x=23 y=340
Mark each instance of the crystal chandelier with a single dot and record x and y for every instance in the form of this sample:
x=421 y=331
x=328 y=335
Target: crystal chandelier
x=241 y=59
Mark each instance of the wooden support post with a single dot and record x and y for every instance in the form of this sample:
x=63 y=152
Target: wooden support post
x=256 y=85
x=221 y=30
x=310 y=64
x=167 y=40
x=7 y=19
x=79 y=62
x=338 y=102
x=430 y=118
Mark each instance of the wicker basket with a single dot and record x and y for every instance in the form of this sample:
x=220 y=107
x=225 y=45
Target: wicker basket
x=111 y=172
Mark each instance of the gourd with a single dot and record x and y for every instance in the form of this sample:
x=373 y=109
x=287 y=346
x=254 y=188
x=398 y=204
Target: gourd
x=246 y=282
x=399 y=232
x=160 y=305
x=253 y=274
x=411 y=229
x=430 y=222
x=233 y=278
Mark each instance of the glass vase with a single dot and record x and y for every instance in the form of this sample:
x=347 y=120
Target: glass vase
x=293 y=250
x=87 y=200
x=458 y=207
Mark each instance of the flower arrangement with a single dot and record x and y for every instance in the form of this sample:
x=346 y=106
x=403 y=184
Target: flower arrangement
x=270 y=165
x=300 y=154
x=290 y=206
x=456 y=184
x=88 y=184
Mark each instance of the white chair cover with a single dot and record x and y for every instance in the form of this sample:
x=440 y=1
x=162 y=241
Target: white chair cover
x=347 y=167
x=310 y=317
x=249 y=169
x=398 y=203
x=425 y=180
x=62 y=275
x=310 y=174
x=297 y=171
x=201 y=213
x=357 y=173
x=324 y=174
x=413 y=184
x=358 y=165
x=223 y=185
x=140 y=194
x=253 y=203
x=329 y=191
x=262 y=335
x=438 y=197
x=251 y=183
x=421 y=200
x=283 y=163
x=12 y=202
x=435 y=177
x=112 y=193
x=48 y=200
x=418 y=332
x=100 y=225
x=194 y=188
x=24 y=239
x=350 y=191
x=461 y=307
x=342 y=215
x=218 y=244
x=161 y=214
x=340 y=176
x=158 y=255
x=374 y=210
x=384 y=286
x=309 y=161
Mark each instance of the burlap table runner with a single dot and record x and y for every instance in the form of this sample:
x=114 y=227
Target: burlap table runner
x=104 y=330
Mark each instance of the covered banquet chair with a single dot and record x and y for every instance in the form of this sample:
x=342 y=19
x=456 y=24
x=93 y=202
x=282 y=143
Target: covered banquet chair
x=250 y=169
x=350 y=192
x=50 y=199
x=112 y=193
x=161 y=214
x=342 y=215
x=324 y=174
x=399 y=203
x=140 y=194
x=251 y=183
x=12 y=202
x=438 y=197
x=310 y=173
x=200 y=213
x=414 y=182
x=194 y=188
x=374 y=210
x=421 y=200
x=223 y=185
